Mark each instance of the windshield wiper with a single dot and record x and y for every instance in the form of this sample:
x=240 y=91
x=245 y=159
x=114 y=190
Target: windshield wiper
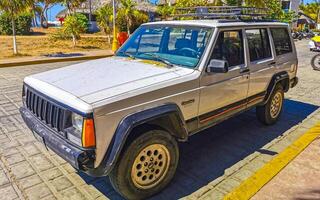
x=128 y=54
x=168 y=63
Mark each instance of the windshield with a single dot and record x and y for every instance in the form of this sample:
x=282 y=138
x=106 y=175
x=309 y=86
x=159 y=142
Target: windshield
x=171 y=45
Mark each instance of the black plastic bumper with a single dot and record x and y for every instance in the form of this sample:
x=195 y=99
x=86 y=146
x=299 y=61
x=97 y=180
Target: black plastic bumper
x=78 y=158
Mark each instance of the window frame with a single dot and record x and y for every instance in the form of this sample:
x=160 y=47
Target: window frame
x=230 y=29
x=290 y=39
x=271 y=45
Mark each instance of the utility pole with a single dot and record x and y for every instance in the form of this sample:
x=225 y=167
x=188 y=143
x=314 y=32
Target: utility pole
x=115 y=43
x=90 y=12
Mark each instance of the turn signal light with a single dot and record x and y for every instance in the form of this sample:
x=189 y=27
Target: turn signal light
x=88 y=134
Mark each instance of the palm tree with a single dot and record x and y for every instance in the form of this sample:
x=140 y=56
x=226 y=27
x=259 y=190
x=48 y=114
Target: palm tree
x=312 y=10
x=14 y=8
x=104 y=19
x=42 y=7
x=128 y=7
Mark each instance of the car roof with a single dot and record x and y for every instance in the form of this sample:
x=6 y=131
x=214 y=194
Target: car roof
x=217 y=23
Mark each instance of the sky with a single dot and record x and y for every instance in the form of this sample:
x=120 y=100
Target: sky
x=56 y=9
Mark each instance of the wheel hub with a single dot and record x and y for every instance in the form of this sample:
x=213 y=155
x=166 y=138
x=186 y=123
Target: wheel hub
x=276 y=105
x=150 y=166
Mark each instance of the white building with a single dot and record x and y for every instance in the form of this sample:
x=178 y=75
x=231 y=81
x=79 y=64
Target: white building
x=291 y=5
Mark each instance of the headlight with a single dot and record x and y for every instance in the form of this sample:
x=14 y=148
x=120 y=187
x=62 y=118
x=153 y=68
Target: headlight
x=77 y=122
x=82 y=131
x=74 y=133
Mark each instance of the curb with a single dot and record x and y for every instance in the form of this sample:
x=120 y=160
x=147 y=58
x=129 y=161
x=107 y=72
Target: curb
x=52 y=60
x=254 y=183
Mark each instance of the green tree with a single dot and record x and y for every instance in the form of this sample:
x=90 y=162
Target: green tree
x=191 y=3
x=165 y=11
x=13 y=8
x=23 y=24
x=139 y=17
x=74 y=25
x=41 y=8
x=234 y=2
x=128 y=7
x=312 y=10
x=255 y=3
x=104 y=19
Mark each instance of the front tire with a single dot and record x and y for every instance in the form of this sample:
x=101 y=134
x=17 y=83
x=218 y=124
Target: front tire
x=146 y=166
x=269 y=113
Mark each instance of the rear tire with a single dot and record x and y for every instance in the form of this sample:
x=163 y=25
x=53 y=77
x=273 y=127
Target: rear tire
x=315 y=62
x=146 y=166
x=269 y=113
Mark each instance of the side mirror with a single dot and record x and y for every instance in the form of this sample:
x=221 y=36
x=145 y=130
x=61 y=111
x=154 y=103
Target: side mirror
x=218 y=66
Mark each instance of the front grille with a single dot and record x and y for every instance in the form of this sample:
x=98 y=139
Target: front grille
x=51 y=114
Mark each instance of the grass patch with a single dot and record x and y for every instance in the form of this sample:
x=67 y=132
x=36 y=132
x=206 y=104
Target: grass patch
x=41 y=44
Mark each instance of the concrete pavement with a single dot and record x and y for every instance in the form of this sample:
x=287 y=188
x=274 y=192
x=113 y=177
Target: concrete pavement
x=212 y=162
x=68 y=57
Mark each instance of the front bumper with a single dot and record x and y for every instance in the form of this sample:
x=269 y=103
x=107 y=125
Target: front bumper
x=81 y=159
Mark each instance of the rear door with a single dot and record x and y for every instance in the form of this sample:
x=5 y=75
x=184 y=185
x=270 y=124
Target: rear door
x=261 y=62
x=284 y=50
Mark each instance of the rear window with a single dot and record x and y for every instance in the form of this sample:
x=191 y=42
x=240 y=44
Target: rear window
x=281 y=40
x=259 y=46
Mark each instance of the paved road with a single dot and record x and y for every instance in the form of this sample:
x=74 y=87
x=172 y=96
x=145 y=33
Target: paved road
x=212 y=163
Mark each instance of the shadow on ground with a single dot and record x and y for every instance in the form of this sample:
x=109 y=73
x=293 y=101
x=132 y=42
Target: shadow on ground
x=308 y=195
x=208 y=154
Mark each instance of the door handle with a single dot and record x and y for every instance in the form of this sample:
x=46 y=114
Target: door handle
x=188 y=102
x=272 y=63
x=245 y=70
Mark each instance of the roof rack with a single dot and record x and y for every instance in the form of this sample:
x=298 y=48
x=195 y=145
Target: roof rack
x=222 y=12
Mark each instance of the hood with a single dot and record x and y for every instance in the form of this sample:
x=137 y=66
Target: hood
x=101 y=79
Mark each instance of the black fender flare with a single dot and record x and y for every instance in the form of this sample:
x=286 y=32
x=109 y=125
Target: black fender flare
x=126 y=126
x=277 y=78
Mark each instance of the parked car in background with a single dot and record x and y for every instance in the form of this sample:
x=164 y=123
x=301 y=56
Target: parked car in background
x=124 y=116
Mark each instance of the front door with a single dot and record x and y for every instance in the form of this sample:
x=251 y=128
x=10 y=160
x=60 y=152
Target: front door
x=223 y=94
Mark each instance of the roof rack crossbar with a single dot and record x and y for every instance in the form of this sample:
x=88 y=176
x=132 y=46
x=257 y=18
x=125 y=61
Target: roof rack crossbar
x=218 y=12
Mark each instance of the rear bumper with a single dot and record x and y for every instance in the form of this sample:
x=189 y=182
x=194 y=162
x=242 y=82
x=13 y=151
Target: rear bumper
x=294 y=82
x=81 y=159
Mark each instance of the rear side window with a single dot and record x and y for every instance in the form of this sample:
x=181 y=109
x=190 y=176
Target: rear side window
x=259 y=45
x=281 y=40
x=229 y=47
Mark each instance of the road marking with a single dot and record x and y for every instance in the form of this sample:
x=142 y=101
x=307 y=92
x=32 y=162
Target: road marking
x=253 y=184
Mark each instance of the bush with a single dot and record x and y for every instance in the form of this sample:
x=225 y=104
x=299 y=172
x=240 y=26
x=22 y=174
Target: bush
x=59 y=34
x=23 y=24
x=74 y=25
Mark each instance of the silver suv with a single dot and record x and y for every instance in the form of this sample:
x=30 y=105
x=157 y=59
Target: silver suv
x=124 y=116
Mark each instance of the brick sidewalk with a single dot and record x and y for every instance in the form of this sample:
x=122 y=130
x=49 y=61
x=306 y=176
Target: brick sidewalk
x=299 y=180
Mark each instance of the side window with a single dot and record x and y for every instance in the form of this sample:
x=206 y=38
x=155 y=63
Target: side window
x=281 y=40
x=259 y=45
x=229 y=47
